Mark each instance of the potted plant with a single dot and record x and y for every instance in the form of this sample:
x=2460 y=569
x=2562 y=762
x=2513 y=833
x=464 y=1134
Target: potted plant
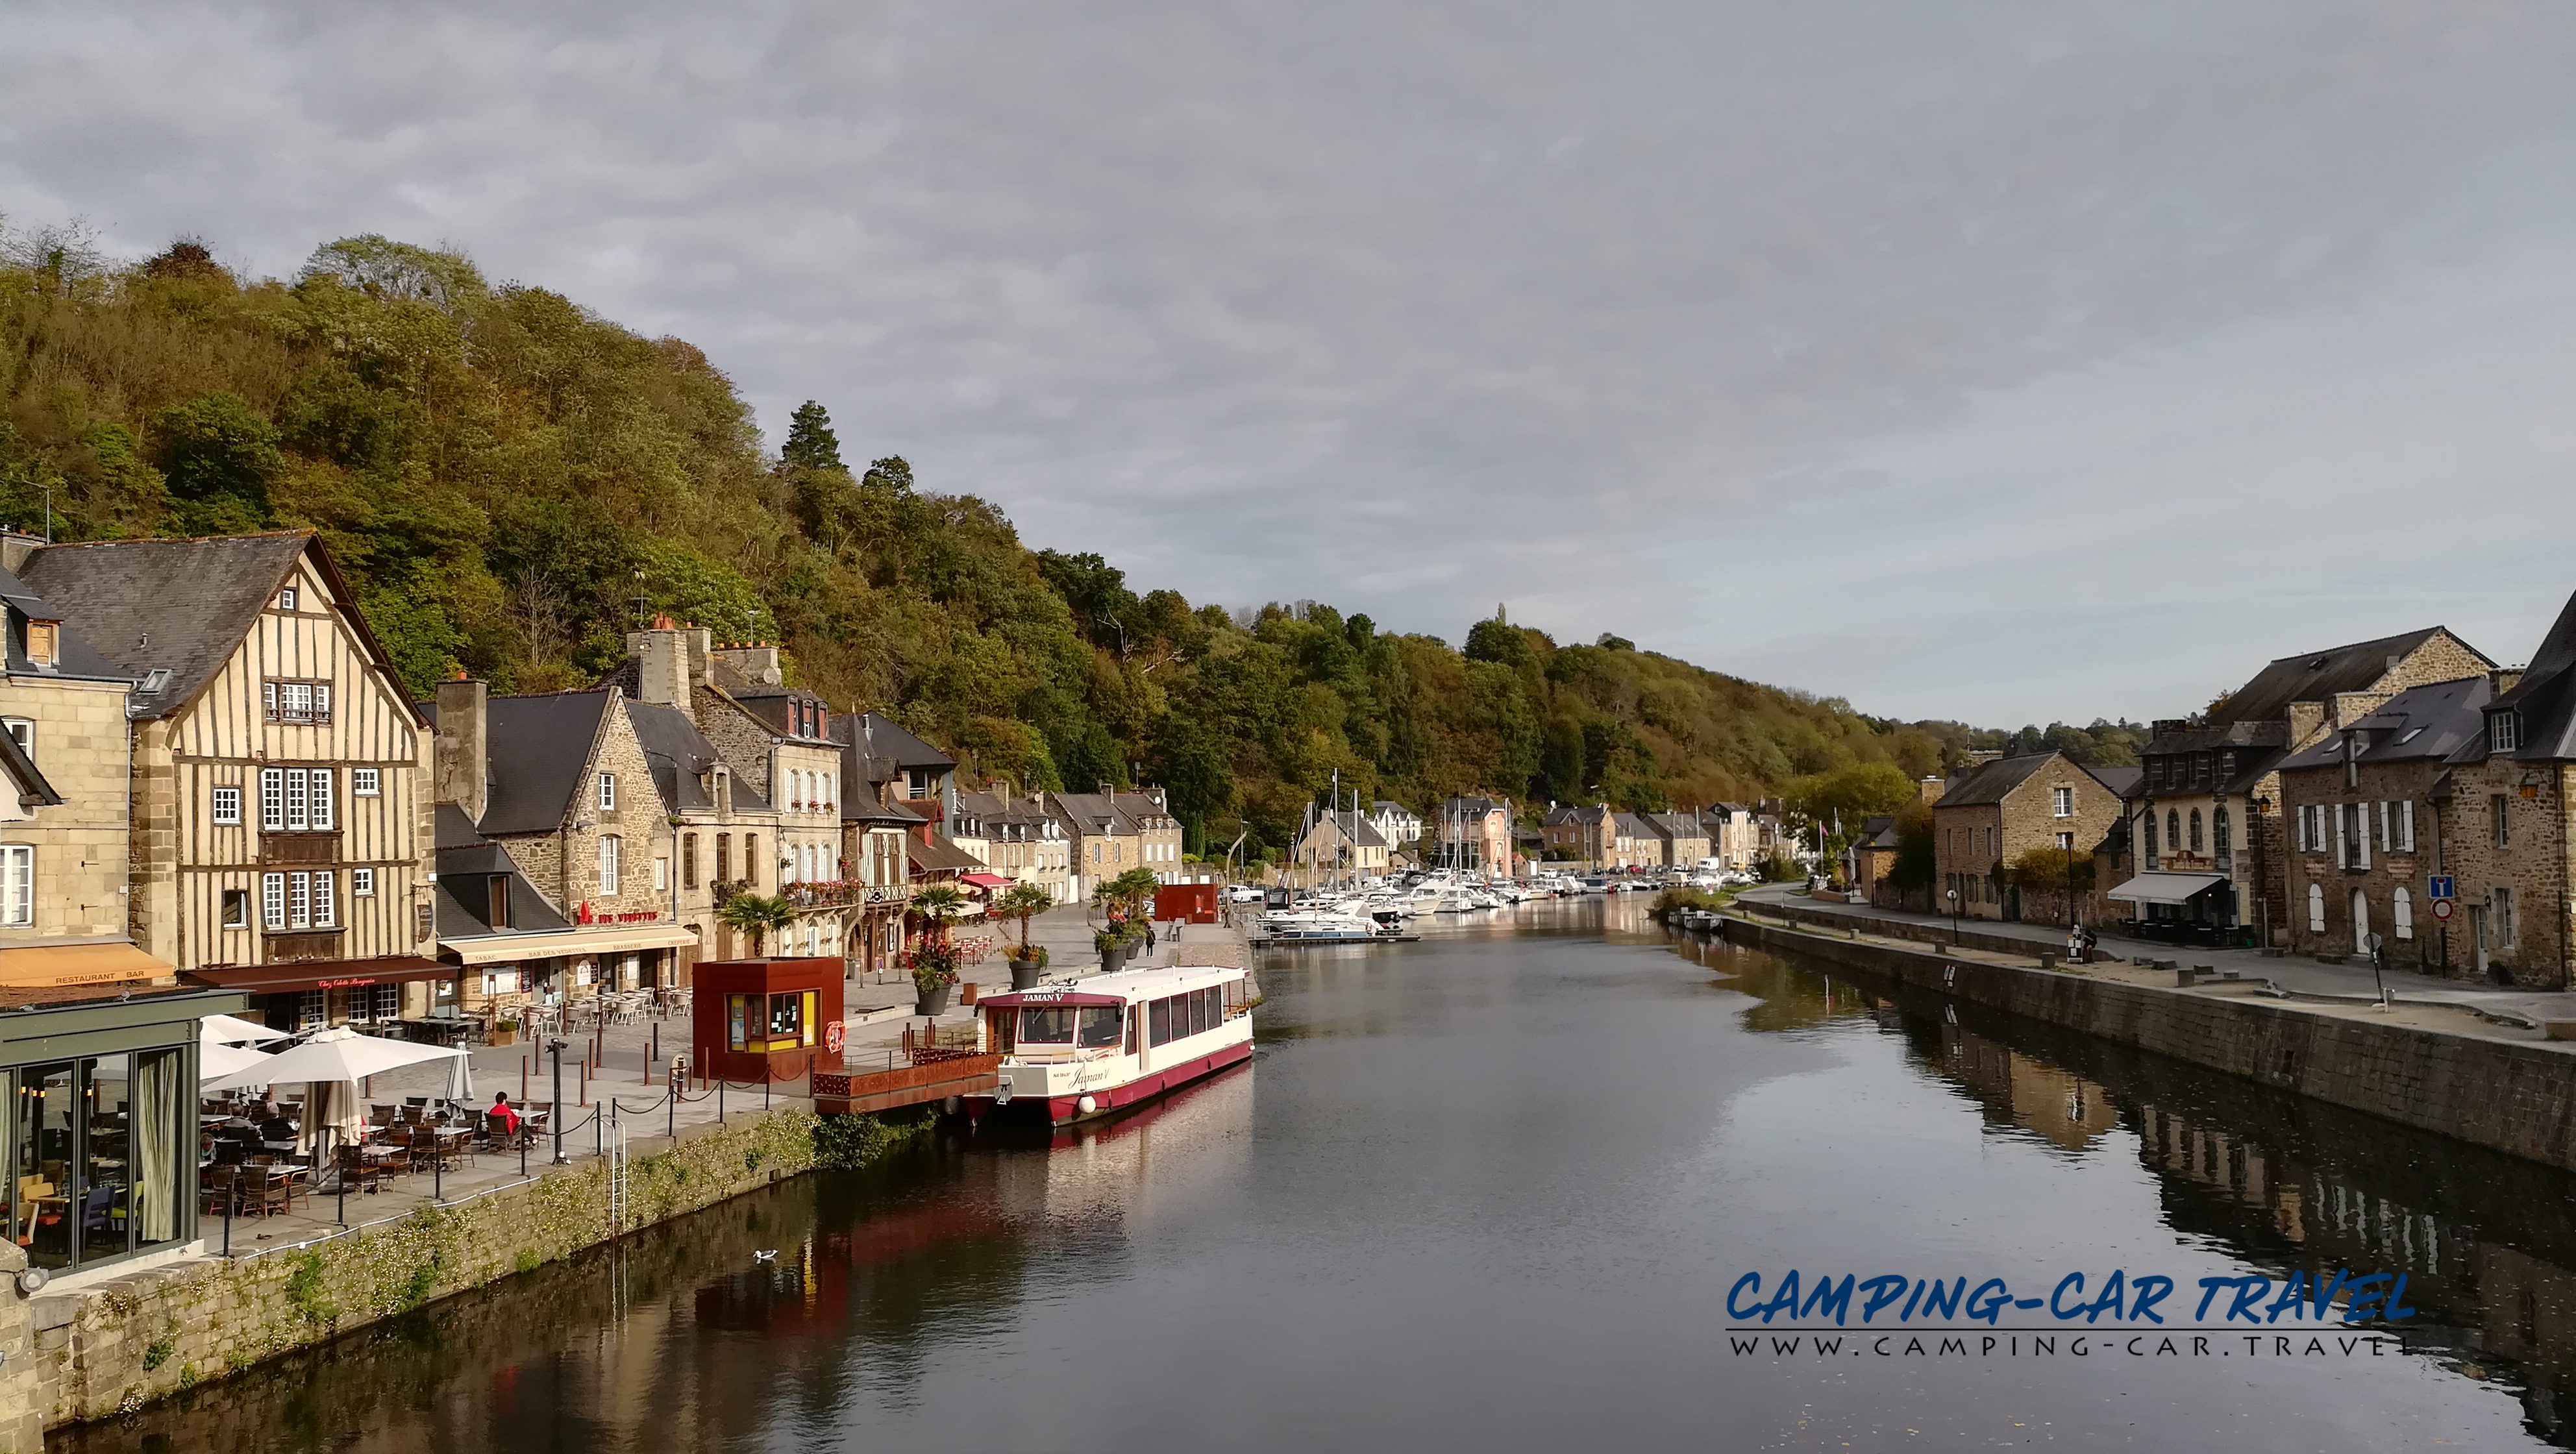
x=1024 y=901
x=505 y=1032
x=934 y=968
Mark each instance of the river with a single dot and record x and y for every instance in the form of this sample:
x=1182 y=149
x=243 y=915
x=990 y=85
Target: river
x=1492 y=1191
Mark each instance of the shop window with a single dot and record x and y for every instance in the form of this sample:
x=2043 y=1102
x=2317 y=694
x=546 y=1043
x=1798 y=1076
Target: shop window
x=312 y=1010
x=502 y=981
x=102 y=1157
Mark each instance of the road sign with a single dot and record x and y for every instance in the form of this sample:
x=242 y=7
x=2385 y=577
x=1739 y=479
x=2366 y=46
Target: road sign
x=2442 y=908
x=2439 y=886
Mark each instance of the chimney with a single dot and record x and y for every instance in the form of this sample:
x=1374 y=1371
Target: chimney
x=459 y=774
x=17 y=547
x=1929 y=790
x=669 y=658
x=2307 y=723
x=758 y=662
x=2505 y=679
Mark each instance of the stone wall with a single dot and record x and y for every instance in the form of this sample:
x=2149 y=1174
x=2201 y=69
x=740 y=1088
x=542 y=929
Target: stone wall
x=2532 y=865
x=2515 y=1097
x=113 y=1346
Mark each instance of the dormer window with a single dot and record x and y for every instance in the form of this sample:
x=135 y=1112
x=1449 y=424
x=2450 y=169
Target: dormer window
x=2504 y=731
x=44 y=640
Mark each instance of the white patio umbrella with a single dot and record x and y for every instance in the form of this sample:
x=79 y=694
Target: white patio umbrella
x=216 y=1060
x=331 y=1065
x=233 y=1030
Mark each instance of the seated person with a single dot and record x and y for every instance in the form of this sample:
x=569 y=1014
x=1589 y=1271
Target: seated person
x=508 y=1114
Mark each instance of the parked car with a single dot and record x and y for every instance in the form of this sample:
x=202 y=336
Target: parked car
x=1243 y=893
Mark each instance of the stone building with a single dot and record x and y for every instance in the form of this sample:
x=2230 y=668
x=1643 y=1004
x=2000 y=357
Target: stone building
x=1475 y=834
x=557 y=847
x=1105 y=842
x=2364 y=807
x=1341 y=847
x=1158 y=832
x=1578 y=834
x=66 y=765
x=1015 y=839
x=1990 y=815
x=281 y=829
x=2222 y=768
x=2504 y=820
x=1732 y=835
x=1679 y=838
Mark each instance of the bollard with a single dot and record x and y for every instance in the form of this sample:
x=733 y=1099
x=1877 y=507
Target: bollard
x=720 y=1085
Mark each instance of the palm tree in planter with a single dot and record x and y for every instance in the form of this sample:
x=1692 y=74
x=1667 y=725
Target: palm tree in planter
x=933 y=960
x=756 y=916
x=1025 y=901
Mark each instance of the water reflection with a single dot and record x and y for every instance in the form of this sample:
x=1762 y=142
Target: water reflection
x=1491 y=1189
x=2281 y=1182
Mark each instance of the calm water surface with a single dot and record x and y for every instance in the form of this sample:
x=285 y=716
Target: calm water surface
x=1491 y=1191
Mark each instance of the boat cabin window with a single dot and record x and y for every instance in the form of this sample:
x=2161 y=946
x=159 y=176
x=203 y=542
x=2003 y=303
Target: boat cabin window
x=1180 y=1016
x=1100 y=1026
x=1046 y=1027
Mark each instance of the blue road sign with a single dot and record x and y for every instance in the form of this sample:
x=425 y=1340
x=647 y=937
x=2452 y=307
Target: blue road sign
x=2439 y=886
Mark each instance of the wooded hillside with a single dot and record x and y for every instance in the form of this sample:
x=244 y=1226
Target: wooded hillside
x=510 y=478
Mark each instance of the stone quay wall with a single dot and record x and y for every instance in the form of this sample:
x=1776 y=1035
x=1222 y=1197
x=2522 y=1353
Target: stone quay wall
x=110 y=1347
x=2514 y=1097
x=1902 y=929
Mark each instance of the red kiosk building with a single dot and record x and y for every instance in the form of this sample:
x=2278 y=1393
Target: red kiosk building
x=767 y=1019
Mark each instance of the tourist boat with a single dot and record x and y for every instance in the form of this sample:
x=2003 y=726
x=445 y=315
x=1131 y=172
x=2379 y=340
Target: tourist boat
x=1096 y=1045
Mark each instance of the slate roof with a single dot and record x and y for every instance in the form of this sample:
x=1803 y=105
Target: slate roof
x=176 y=605
x=1090 y=813
x=2545 y=697
x=678 y=752
x=1358 y=831
x=466 y=857
x=2316 y=676
x=2122 y=781
x=1470 y=807
x=1137 y=807
x=536 y=751
x=1878 y=831
x=73 y=655
x=877 y=736
x=2421 y=723
x=1989 y=782
x=1576 y=816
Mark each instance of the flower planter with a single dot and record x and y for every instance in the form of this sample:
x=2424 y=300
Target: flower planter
x=930 y=1002
x=1024 y=974
x=501 y=1036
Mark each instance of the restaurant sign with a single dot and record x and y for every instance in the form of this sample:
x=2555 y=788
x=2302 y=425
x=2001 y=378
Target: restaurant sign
x=343 y=984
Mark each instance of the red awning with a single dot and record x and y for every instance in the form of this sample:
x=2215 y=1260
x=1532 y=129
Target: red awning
x=985 y=880
x=1045 y=999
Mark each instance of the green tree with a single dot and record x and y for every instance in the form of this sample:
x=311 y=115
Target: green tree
x=758 y=916
x=811 y=445
x=220 y=459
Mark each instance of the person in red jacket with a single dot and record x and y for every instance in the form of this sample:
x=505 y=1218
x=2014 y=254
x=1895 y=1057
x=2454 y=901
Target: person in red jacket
x=508 y=1113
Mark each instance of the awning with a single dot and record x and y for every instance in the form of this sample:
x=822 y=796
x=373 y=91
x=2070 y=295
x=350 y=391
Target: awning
x=2167 y=888
x=46 y=965
x=324 y=974
x=558 y=943
x=985 y=880
x=1046 y=999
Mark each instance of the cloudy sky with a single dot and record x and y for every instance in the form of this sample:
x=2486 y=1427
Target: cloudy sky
x=2007 y=361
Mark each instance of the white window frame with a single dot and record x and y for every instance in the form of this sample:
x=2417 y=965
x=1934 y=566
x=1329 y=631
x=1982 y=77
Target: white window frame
x=223 y=908
x=362 y=883
x=272 y=901
x=609 y=848
x=2405 y=824
x=608 y=792
x=23 y=729
x=227 y=807
x=326 y=810
x=287 y=597
x=2062 y=800
x=299 y=899
x=2504 y=731
x=326 y=900
x=2316 y=908
x=17 y=884
x=366 y=782
x=2401 y=912
x=662 y=874
x=272 y=799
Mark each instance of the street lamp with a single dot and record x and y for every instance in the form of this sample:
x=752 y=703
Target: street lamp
x=1954 y=916
x=555 y=1116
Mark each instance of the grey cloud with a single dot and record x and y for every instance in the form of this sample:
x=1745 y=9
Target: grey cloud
x=1690 y=321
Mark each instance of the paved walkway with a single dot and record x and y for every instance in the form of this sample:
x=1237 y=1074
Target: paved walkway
x=2305 y=978
x=629 y=1063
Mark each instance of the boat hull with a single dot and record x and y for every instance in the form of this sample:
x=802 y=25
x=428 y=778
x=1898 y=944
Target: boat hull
x=1064 y=1110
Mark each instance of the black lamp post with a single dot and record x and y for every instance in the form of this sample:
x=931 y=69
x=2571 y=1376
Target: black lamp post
x=1954 y=916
